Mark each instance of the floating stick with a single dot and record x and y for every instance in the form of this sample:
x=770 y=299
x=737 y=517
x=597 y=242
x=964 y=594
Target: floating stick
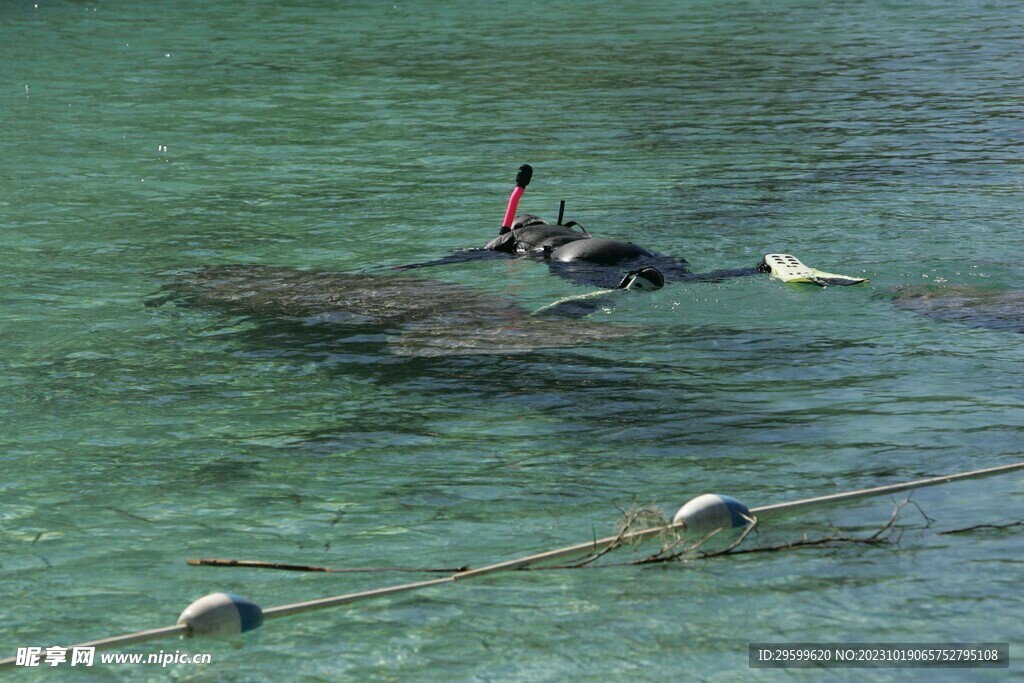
x=220 y=614
x=258 y=564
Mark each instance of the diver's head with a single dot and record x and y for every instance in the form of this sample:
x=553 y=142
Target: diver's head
x=526 y=220
x=644 y=279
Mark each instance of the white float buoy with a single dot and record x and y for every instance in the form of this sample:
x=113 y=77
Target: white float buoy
x=704 y=514
x=221 y=614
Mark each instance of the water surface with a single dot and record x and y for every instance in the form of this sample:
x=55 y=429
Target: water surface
x=140 y=139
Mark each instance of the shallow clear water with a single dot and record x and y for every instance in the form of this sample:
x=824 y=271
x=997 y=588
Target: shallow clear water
x=139 y=139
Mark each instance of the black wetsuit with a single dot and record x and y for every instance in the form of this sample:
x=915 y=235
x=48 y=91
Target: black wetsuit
x=577 y=256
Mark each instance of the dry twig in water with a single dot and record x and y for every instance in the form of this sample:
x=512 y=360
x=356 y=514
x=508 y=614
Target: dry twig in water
x=979 y=527
x=284 y=566
x=883 y=535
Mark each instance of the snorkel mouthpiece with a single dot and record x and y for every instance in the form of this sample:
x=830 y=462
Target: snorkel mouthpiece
x=522 y=180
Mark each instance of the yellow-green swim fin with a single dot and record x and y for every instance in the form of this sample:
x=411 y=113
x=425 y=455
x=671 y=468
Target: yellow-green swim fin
x=789 y=268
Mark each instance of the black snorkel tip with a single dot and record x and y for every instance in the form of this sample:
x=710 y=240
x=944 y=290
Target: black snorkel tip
x=524 y=175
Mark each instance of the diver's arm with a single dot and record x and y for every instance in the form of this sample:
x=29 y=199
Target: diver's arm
x=579 y=306
x=462 y=256
x=643 y=279
x=721 y=275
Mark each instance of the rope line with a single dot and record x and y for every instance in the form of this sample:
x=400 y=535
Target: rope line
x=558 y=553
x=891 y=488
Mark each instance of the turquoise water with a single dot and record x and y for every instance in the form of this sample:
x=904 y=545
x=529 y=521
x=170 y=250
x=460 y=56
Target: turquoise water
x=140 y=139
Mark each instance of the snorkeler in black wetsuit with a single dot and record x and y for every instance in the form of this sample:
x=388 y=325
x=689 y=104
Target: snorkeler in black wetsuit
x=583 y=259
x=432 y=308
x=576 y=255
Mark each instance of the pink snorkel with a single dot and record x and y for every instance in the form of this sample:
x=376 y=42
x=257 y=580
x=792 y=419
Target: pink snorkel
x=522 y=180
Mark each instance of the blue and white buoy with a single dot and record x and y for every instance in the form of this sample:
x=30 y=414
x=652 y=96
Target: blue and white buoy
x=221 y=614
x=711 y=511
